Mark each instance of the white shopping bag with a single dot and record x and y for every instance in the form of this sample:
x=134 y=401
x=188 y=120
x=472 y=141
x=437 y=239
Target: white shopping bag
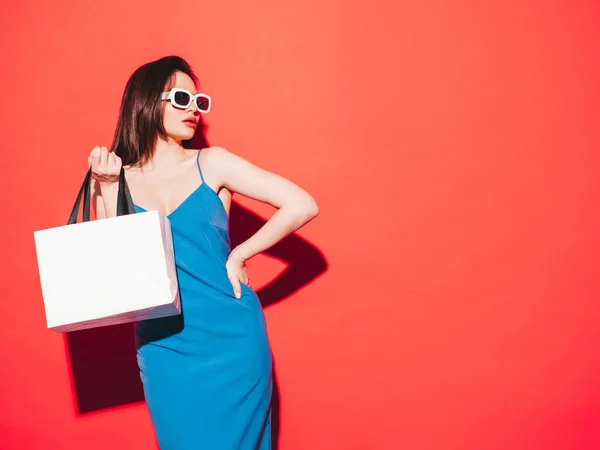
x=107 y=271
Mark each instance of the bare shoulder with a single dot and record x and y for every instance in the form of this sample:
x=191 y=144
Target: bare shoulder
x=239 y=175
x=216 y=156
x=220 y=163
x=133 y=173
x=223 y=160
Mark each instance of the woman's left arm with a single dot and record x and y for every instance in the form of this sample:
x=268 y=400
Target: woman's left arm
x=295 y=206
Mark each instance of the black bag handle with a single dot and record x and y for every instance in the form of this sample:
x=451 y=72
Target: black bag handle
x=124 y=201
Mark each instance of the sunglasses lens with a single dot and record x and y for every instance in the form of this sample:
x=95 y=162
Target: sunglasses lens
x=181 y=99
x=203 y=103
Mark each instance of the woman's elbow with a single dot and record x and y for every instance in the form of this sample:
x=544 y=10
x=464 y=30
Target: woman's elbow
x=309 y=208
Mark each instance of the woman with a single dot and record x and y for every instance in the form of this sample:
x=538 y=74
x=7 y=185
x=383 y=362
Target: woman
x=207 y=372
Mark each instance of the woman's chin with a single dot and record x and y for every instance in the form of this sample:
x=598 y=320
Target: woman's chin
x=182 y=136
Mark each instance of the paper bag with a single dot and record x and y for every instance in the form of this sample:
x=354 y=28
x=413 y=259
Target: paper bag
x=107 y=271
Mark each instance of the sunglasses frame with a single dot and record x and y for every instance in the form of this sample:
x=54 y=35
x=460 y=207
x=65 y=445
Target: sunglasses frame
x=170 y=95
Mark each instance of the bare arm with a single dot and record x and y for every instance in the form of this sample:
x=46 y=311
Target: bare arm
x=104 y=199
x=225 y=197
x=295 y=206
x=105 y=167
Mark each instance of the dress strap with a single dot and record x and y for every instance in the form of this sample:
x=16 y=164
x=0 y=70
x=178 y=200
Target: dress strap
x=198 y=164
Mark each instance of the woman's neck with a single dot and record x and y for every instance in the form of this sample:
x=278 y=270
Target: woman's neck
x=166 y=154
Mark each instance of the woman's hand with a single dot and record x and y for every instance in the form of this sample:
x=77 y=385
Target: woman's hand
x=106 y=166
x=237 y=272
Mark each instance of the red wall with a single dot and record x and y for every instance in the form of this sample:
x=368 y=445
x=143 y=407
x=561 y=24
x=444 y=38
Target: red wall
x=447 y=295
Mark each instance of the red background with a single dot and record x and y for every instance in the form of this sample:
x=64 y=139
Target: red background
x=447 y=295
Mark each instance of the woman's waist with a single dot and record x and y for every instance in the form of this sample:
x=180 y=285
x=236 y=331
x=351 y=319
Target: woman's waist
x=193 y=276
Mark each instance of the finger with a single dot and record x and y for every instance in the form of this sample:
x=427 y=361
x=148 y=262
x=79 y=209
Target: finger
x=96 y=157
x=237 y=289
x=118 y=162
x=104 y=157
x=112 y=162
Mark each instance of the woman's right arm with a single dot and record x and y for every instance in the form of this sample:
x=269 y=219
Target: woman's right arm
x=106 y=167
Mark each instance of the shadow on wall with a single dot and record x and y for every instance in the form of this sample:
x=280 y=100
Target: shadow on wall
x=103 y=361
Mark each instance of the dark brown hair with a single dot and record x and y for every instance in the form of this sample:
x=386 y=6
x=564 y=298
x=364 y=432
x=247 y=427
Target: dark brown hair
x=141 y=114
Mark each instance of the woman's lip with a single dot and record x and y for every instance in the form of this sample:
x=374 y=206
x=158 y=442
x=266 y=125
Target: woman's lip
x=190 y=123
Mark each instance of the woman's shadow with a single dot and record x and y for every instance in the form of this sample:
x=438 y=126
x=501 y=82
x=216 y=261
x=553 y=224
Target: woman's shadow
x=104 y=371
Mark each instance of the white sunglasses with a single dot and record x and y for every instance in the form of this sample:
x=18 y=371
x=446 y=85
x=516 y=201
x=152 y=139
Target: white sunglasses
x=182 y=98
